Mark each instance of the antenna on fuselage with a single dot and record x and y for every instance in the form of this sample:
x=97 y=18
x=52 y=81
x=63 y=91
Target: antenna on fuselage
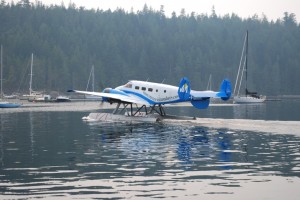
x=147 y=79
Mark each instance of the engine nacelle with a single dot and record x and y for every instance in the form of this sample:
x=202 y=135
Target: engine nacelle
x=112 y=91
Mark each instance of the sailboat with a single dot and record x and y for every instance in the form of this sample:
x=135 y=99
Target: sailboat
x=5 y=104
x=33 y=95
x=248 y=97
x=92 y=76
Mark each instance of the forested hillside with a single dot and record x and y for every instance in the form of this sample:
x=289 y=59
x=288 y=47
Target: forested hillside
x=66 y=41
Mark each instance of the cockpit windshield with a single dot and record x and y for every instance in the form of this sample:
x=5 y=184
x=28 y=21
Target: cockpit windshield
x=128 y=85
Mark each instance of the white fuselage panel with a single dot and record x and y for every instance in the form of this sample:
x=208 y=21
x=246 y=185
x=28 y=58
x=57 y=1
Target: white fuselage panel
x=152 y=92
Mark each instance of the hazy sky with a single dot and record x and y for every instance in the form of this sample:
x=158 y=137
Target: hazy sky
x=273 y=9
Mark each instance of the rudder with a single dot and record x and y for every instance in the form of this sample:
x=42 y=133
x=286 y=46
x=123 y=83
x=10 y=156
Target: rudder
x=225 y=89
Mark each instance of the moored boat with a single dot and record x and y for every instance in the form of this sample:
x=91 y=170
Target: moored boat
x=42 y=98
x=62 y=99
x=34 y=96
x=92 y=76
x=248 y=97
x=6 y=104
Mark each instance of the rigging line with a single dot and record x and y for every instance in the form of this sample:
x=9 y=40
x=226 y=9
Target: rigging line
x=242 y=74
x=246 y=58
x=1 y=93
x=91 y=75
x=241 y=60
x=24 y=75
x=209 y=85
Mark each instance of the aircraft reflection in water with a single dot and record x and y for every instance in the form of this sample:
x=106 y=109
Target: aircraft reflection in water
x=170 y=144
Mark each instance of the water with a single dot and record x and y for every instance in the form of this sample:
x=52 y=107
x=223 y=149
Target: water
x=285 y=110
x=54 y=155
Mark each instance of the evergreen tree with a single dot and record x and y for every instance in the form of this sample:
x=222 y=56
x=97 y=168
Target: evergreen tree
x=66 y=41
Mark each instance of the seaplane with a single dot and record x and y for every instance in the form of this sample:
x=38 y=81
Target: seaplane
x=144 y=101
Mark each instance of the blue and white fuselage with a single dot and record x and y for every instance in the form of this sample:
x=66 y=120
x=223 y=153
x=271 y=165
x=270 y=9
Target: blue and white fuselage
x=149 y=94
x=152 y=93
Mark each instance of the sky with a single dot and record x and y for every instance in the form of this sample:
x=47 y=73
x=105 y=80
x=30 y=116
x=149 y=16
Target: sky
x=273 y=9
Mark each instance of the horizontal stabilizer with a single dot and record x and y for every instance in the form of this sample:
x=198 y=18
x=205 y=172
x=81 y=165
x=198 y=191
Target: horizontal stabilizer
x=201 y=104
x=200 y=99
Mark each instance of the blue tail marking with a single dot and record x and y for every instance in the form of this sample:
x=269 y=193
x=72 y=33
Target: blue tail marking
x=184 y=89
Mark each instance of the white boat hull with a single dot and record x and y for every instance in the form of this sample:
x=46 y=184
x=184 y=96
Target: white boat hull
x=62 y=99
x=248 y=99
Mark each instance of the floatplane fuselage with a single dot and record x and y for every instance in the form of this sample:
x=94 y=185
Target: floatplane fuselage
x=151 y=97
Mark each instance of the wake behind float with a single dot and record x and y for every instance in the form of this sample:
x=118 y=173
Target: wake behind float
x=108 y=117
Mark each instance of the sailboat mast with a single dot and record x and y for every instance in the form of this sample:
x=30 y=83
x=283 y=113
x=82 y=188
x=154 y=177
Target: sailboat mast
x=91 y=76
x=93 y=79
x=30 y=82
x=246 y=61
x=1 y=94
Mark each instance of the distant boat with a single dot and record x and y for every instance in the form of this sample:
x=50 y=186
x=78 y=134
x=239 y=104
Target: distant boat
x=42 y=98
x=92 y=76
x=34 y=95
x=13 y=96
x=5 y=104
x=62 y=99
x=248 y=97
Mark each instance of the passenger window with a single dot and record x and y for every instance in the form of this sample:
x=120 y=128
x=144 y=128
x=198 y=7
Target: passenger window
x=137 y=87
x=150 y=89
x=143 y=88
x=165 y=91
x=156 y=90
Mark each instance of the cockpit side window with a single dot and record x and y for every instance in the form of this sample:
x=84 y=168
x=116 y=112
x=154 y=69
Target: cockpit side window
x=128 y=85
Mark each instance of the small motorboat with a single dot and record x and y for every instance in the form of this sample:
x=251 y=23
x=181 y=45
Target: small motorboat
x=62 y=99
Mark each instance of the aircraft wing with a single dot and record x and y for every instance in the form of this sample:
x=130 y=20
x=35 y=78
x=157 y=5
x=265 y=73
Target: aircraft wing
x=126 y=98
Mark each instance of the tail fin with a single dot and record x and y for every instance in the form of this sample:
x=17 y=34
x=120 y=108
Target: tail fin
x=225 y=90
x=184 y=89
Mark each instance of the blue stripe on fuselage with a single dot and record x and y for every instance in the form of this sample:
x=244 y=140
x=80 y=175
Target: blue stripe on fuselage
x=151 y=101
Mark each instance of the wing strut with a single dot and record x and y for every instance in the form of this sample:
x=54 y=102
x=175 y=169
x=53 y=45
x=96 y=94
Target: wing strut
x=161 y=110
x=138 y=110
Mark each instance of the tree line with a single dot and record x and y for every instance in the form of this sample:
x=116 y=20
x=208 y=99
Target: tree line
x=147 y=45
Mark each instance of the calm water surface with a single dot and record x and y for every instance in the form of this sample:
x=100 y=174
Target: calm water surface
x=55 y=155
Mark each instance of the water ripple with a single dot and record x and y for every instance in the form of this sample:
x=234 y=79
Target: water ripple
x=146 y=161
